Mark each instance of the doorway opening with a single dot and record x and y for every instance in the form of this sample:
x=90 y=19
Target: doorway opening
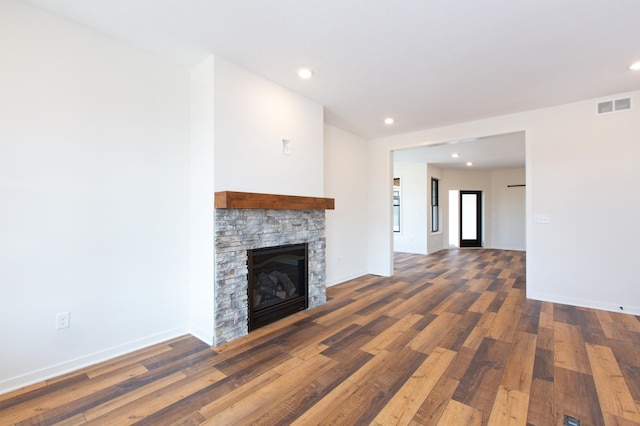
x=498 y=163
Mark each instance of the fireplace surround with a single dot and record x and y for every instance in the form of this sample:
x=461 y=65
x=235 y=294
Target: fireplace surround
x=247 y=221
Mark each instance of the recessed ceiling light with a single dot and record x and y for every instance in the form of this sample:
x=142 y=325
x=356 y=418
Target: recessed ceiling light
x=455 y=155
x=388 y=121
x=469 y=163
x=635 y=66
x=305 y=73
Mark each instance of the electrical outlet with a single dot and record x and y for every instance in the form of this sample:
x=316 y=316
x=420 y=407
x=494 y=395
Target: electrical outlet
x=541 y=219
x=62 y=320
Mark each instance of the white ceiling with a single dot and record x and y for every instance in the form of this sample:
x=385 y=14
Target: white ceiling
x=425 y=62
x=488 y=153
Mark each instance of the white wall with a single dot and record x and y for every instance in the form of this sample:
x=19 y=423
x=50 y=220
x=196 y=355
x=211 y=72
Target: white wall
x=345 y=180
x=379 y=212
x=435 y=240
x=412 y=237
x=580 y=172
x=94 y=186
x=201 y=307
x=584 y=170
x=508 y=210
x=252 y=116
x=503 y=209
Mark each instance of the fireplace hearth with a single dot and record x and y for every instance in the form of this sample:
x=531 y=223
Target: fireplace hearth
x=277 y=283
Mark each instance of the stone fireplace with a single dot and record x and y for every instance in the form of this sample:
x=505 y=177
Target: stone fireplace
x=247 y=221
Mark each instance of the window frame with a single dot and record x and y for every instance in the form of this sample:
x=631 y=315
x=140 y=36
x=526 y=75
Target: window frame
x=435 y=205
x=396 y=205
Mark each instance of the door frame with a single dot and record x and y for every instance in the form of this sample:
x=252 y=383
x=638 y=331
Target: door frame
x=478 y=241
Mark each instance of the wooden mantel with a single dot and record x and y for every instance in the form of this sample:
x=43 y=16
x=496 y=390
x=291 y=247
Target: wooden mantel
x=250 y=200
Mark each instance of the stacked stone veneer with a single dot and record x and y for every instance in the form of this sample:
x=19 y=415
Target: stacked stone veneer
x=239 y=230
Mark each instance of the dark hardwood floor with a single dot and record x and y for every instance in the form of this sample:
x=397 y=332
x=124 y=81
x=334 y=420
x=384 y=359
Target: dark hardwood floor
x=450 y=339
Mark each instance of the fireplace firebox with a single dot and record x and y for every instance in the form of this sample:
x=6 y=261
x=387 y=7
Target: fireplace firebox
x=277 y=283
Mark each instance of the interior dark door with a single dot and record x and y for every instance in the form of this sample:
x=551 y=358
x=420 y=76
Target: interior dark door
x=470 y=218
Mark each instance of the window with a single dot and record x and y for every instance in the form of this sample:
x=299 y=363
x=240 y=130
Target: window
x=396 y=205
x=435 y=205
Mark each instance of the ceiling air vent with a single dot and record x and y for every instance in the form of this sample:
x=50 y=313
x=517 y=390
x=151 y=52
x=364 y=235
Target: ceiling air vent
x=606 y=107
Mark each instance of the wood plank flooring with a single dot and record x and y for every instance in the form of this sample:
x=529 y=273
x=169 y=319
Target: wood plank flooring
x=450 y=339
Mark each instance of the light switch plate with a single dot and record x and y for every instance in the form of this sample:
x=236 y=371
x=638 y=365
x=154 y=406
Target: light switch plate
x=286 y=147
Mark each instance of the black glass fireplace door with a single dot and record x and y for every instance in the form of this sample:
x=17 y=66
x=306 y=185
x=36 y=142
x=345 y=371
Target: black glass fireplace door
x=278 y=281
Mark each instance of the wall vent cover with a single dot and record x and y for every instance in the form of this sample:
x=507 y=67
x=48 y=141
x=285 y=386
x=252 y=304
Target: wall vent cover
x=622 y=104
x=606 y=107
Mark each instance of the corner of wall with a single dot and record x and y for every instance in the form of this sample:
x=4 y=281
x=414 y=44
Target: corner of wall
x=201 y=267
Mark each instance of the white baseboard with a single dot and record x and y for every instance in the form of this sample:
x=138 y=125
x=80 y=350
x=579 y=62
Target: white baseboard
x=408 y=250
x=46 y=373
x=344 y=278
x=512 y=248
x=205 y=335
x=605 y=306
